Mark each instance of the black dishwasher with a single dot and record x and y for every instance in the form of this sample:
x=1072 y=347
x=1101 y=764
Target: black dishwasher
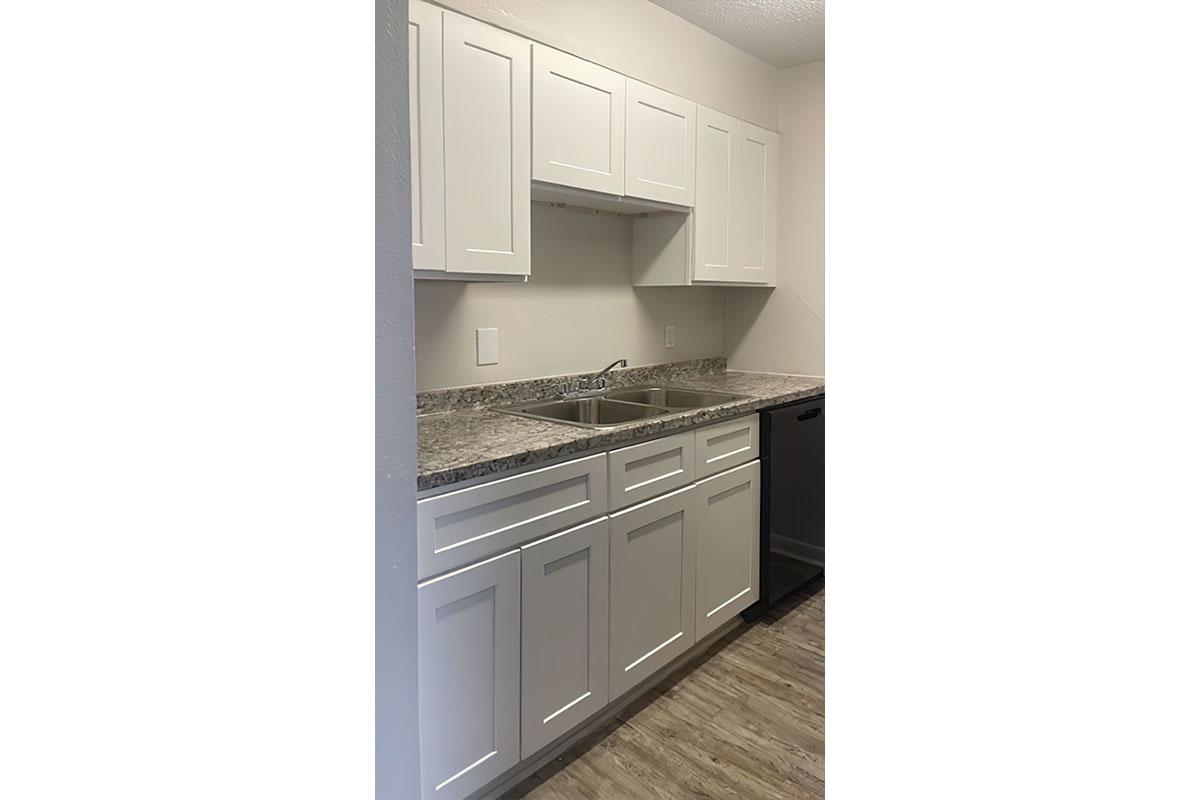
x=792 y=449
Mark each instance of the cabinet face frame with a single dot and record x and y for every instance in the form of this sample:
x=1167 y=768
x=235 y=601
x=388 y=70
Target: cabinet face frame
x=484 y=659
x=564 y=632
x=727 y=546
x=645 y=555
x=425 y=136
x=577 y=105
x=660 y=131
x=485 y=98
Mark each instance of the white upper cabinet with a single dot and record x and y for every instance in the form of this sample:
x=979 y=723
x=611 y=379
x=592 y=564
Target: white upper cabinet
x=469 y=652
x=660 y=145
x=756 y=205
x=731 y=236
x=578 y=122
x=485 y=93
x=425 y=130
x=716 y=152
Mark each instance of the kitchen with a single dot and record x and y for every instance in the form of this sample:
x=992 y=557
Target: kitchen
x=585 y=531
x=426 y=399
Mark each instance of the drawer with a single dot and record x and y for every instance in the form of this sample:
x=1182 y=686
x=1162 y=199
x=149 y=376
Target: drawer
x=643 y=471
x=459 y=527
x=723 y=446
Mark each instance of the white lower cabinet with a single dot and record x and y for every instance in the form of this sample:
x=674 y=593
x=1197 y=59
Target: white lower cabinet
x=469 y=633
x=564 y=632
x=727 y=546
x=652 y=561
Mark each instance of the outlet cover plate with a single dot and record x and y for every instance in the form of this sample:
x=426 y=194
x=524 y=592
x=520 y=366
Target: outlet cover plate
x=487 y=346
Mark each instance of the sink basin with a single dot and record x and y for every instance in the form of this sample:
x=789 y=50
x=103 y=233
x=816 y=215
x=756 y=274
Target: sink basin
x=671 y=397
x=589 y=412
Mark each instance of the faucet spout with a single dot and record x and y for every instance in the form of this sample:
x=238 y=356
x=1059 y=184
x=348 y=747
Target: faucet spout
x=594 y=385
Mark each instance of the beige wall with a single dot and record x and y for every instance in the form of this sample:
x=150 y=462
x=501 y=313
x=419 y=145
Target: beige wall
x=784 y=330
x=644 y=41
x=577 y=313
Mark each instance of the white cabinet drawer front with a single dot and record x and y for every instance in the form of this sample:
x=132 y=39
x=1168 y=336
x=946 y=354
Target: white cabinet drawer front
x=460 y=527
x=469 y=628
x=643 y=471
x=564 y=632
x=653 y=598
x=726 y=445
x=660 y=145
x=727 y=546
x=578 y=122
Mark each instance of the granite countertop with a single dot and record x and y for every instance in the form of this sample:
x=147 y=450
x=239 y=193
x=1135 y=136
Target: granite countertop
x=469 y=441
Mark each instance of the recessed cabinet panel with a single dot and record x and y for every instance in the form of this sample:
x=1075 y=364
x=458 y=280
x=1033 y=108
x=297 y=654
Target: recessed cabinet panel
x=425 y=130
x=578 y=122
x=486 y=106
x=660 y=145
x=645 y=470
x=564 y=632
x=755 y=208
x=653 y=602
x=461 y=526
x=469 y=676
x=725 y=445
x=716 y=149
x=727 y=546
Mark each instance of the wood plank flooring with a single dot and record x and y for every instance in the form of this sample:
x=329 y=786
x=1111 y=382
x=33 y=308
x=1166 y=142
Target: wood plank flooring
x=746 y=721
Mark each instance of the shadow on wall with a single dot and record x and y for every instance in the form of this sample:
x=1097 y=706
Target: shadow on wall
x=578 y=311
x=751 y=301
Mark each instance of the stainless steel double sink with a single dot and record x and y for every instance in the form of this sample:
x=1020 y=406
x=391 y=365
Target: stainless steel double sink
x=620 y=405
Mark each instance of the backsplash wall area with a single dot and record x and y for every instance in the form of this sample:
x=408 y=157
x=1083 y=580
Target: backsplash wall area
x=577 y=313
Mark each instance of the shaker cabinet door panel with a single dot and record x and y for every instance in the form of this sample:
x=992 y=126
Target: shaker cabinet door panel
x=653 y=598
x=425 y=131
x=756 y=205
x=660 y=145
x=716 y=151
x=578 y=122
x=469 y=630
x=727 y=546
x=564 y=632
x=486 y=107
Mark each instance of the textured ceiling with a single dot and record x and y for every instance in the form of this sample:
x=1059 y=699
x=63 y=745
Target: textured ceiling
x=781 y=32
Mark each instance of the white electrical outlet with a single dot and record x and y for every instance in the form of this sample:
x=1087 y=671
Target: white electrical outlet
x=670 y=338
x=487 y=346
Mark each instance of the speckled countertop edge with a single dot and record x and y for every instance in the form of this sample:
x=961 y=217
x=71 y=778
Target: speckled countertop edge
x=471 y=441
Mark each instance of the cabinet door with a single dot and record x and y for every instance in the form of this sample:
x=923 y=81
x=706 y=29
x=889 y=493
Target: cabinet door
x=660 y=145
x=425 y=130
x=756 y=205
x=578 y=122
x=727 y=546
x=564 y=632
x=469 y=630
x=652 y=597
x=716 y=150
x=485 y=75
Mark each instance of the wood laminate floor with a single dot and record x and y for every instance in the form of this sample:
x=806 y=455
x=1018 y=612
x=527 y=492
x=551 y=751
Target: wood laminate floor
x=747 y=721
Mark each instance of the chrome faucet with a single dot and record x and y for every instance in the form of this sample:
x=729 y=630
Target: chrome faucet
x=590 y=386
